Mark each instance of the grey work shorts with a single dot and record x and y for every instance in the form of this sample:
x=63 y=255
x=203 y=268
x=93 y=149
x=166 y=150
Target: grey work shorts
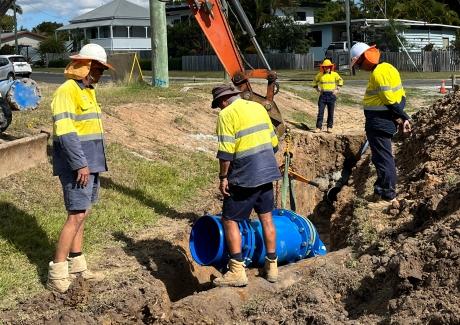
x=76 y=197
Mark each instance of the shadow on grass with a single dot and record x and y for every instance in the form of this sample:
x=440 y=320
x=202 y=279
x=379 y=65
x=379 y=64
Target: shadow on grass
x=139 y=195
x=23 y=232
x=166 y=262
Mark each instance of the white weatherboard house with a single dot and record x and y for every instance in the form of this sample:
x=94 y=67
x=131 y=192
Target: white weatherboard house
x=119 y=25
x=417 y=34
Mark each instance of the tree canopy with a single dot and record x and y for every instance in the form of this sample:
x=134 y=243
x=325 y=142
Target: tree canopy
x=46 y=28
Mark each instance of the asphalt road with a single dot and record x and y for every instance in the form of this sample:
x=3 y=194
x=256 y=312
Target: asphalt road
x=58 y=78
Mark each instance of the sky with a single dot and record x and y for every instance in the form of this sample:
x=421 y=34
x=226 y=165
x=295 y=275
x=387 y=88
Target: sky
x=60 y=11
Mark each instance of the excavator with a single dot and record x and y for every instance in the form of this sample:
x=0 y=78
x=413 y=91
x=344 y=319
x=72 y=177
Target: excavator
x=210 y=15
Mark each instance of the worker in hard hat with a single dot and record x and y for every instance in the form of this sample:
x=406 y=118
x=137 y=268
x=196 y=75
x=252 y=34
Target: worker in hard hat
x=78 y=158
x=246 y=150
x=384 y=103
x=327 y=83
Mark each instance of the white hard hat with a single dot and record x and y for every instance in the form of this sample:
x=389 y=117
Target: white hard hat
x=92 y=52
x=357 y=50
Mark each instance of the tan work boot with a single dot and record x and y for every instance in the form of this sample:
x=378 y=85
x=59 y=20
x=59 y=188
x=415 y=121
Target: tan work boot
x=235 y=276
x=329 y=130
x=58 y=277
x=78 y=267
x=317 y=130
x=271 y=269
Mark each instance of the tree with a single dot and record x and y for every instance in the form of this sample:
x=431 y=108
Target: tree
x=7 y=49
x=46 y=28
x=186 y=38
x=335 y=11
x=284 y=35
x=51 y=45
x=7 y=23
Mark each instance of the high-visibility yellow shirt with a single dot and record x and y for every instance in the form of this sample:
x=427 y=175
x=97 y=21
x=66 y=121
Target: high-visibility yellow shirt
x=247 y=138
x=78 y=139
x=327 y=81
x=384 y=88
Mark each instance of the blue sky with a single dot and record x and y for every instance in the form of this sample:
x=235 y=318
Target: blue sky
x=37 y=11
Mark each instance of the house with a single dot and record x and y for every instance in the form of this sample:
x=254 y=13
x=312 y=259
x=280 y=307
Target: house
x=181 y=12
x=25 y=39
x=119 y=25
x=417 y=34
x=28 y=42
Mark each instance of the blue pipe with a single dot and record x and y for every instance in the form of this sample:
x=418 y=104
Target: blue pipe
x=296 y=239
x=21 y=94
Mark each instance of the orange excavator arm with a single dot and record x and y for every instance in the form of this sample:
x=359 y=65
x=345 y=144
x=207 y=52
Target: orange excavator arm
x=211 y=19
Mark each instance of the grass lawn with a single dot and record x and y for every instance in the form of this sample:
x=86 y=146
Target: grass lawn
x=135 y=193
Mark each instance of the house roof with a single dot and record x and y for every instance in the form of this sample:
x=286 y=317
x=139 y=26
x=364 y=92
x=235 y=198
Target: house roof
x=5 y=37
x=113 y=10
x=366 y=21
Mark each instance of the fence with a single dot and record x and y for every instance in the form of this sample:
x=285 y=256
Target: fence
x=433 y=61
x=277 y=61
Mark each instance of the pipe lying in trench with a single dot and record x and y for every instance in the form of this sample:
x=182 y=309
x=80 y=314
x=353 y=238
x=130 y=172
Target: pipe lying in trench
x=296 y=239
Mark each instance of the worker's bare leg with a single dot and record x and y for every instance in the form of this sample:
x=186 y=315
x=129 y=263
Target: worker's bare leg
x=236 y=275
x=232 y=236
x=70 y=232
x=77 y=243
x=271 y=260
x=269 y=231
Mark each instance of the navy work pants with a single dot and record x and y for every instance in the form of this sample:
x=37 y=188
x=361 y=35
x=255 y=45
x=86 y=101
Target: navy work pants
x=384 y=162
x=326 y=99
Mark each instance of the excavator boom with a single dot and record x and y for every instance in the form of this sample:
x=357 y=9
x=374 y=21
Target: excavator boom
x=212 y=20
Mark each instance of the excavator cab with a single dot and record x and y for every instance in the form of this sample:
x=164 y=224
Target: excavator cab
x=212 y=20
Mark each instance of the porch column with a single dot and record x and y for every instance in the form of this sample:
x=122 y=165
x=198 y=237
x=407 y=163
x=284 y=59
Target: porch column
x=128 y=30
x=98 y=32
x=146 y=32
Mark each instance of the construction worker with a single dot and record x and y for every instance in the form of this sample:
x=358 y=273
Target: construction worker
x=327 y=83
x=384 y=103
x=246 y=152
x=78 y=158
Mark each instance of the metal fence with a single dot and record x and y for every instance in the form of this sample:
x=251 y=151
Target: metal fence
x=277 y=61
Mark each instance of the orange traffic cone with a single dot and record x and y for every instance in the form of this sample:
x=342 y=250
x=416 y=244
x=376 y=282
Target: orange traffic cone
x=443 y=90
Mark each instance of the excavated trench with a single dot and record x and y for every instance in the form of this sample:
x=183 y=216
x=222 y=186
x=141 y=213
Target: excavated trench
x=323 y=158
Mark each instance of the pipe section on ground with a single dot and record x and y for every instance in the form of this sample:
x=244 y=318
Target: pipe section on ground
x=296 y=239
x=20 y=95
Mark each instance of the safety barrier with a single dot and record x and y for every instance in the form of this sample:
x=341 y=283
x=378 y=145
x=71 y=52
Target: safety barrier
x=296 y=239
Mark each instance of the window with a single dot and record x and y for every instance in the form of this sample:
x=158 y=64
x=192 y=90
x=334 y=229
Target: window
x=445 y=43
x=104 y=32
x=317 y=38
x=17 y=59
x=301 y=16
x=120 y=31
x=137 y=31
x=92 y=32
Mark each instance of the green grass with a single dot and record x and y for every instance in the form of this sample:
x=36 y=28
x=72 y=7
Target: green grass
x=418 y=98
x=134 y=194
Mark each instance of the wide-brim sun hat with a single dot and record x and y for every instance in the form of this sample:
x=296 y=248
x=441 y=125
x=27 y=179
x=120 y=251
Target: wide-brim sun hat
x=220 y=91
x=93 y=52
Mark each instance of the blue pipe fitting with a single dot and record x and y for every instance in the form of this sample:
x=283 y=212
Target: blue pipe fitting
x=296 y=238
x=20 y=95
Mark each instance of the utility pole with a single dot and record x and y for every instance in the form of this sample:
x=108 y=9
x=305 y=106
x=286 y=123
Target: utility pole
x=160 y=77
x=347 y=12
x=15 y=28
